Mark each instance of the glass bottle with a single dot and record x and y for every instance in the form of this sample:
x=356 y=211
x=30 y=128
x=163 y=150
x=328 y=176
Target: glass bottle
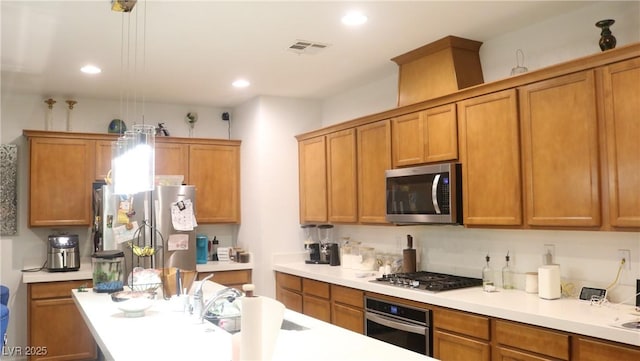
x=507 y=275
x=487 y=276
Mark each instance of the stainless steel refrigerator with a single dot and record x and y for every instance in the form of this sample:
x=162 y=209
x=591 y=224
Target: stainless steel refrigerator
x=163 y=219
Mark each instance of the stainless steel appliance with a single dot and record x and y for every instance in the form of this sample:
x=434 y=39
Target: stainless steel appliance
x=400 y=325
x=425 y=194
x=428 y=281
x=63 y=253
x=150 y=218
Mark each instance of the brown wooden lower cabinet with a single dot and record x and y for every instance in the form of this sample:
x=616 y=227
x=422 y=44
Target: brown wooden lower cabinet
x=55 y=325
x=451 y=347
x=347 y=308
x=588 y=349
x=234 y=278
x=533 y=340
x=339 y=305
x=505 y=354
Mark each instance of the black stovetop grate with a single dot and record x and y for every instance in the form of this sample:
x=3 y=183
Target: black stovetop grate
x=429 y=281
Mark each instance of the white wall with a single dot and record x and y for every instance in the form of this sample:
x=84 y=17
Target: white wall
x=585 y=257
x=555 y=40
x=268 y=126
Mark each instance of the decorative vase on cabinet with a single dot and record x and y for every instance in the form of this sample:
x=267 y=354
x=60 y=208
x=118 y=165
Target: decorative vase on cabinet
x=607 y=40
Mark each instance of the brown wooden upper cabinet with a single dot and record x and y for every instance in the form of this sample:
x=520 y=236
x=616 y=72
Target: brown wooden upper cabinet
x=214 y=169
x=425 y=136
x=560 y=151
x=64 y=165
x=172 y=159
x=60 y=184
x=103 y=159
x=490 y=157
x=342 y=177
x=621 y=98
x=312 y=160
x=374 y=157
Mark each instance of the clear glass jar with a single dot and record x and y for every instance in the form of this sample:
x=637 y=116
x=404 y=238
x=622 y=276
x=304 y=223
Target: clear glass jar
x=367 y=259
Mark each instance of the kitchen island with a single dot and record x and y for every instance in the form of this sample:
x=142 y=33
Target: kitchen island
x=167 y=334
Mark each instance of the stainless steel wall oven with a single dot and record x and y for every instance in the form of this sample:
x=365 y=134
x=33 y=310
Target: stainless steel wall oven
x=400 y=325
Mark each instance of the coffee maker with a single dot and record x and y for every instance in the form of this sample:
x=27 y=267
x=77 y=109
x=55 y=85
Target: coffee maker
x=63 y=253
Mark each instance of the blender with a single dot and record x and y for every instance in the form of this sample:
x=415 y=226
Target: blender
x=311 y=247
x=325 y=232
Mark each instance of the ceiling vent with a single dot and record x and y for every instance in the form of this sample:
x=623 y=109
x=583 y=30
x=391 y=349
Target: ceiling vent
x=307 y=47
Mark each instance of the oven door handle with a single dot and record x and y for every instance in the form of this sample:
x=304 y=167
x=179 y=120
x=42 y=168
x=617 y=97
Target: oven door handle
x=390 y=322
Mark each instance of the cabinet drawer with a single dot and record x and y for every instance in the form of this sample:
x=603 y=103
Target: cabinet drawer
x=229 y=278
x=55 y=289
x=348 y=296
x=316 y=288
x=288 y=281
x=531 y=338
x=461 y=322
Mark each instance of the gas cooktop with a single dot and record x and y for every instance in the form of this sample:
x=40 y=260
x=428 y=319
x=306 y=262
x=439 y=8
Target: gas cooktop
x=428 y=281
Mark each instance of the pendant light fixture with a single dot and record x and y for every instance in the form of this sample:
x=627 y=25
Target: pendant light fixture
x=133 y=154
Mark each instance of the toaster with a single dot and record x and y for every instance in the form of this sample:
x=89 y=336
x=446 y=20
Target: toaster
x=63 y=253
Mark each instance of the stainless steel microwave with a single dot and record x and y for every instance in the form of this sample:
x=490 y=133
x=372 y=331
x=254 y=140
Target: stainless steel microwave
x=425 y=194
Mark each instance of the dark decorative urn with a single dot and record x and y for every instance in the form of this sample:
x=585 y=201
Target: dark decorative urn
x=607 y=40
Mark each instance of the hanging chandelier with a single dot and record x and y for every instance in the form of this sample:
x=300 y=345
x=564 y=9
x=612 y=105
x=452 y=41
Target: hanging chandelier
x=133 y=154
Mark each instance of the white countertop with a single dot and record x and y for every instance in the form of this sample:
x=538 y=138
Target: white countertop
x=165 y=334
x=564 y=314
x=85 y=271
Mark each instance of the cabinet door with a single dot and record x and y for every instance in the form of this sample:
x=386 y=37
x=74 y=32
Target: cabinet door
x=451 y=347
x=290 y=299
x=317 y=308
x=440 y=133
x=103 y=159
x=348 y=317
x=215 y=172
x=342 y=176
x=374 y=158
x=60 y=187
x=621 y=110
x=560 y=151
x=57 y=325
x=585 y=349
x=408 y=140
x=313 y=180
x=490 y=157
x=172 y=159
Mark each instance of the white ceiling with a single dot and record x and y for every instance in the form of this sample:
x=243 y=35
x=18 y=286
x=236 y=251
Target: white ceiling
x=195 y=49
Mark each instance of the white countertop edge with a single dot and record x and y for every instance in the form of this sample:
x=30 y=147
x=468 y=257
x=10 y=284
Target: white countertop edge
x=85 y=272
x=514 y=305
x=213 y=266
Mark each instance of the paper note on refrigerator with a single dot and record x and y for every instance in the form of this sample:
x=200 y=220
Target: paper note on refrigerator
x=121 y=234
x=178 y=242
x=182 y=216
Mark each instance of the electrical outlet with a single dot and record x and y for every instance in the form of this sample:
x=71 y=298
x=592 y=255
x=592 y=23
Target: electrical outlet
x=549 y=249
x=626 y=255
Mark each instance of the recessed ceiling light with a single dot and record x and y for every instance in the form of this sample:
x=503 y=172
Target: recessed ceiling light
x=90 y=69
x=241 y=83
x=354 y=18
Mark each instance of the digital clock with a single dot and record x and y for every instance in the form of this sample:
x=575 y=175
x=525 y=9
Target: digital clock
x=587 y=293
